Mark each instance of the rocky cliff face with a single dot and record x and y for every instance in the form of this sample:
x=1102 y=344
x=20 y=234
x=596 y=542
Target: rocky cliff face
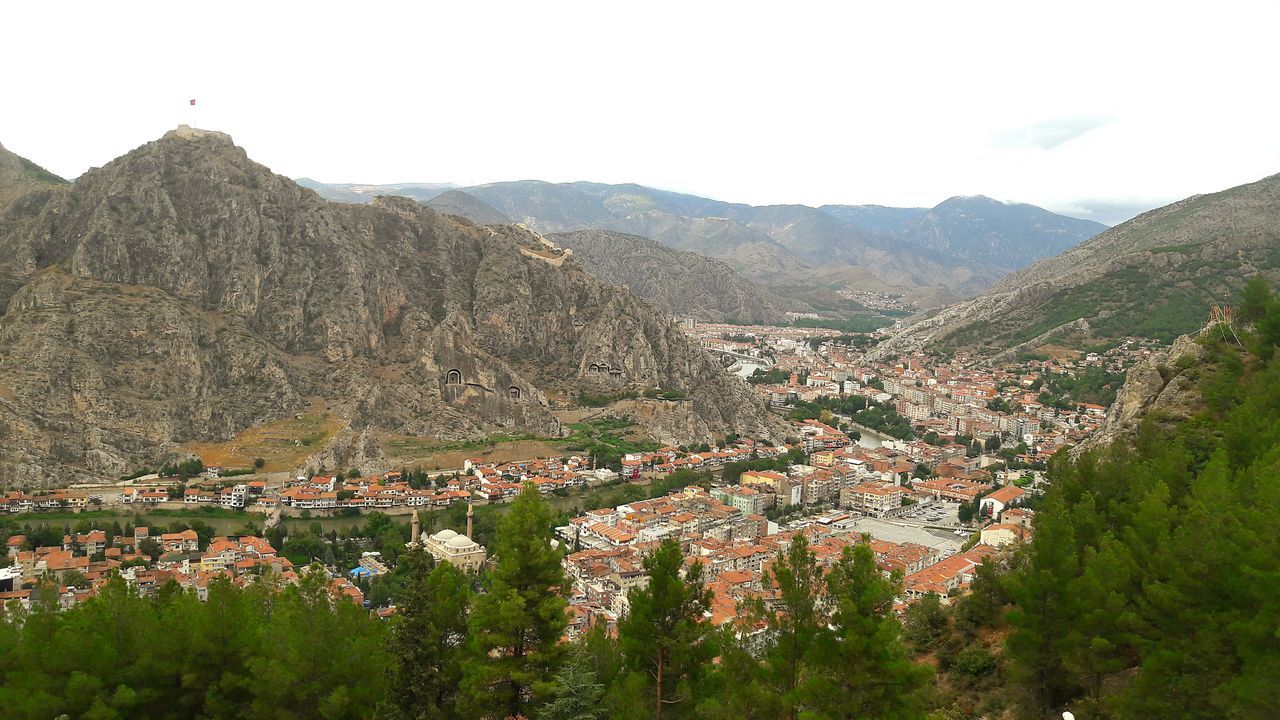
x=1156 y=387
x=1154 y=276
x=183 y=292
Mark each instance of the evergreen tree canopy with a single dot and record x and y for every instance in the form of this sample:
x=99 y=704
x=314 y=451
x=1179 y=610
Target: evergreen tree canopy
x=1150 y=587
x=428 y=641
x=517 y=622
x=662 y=636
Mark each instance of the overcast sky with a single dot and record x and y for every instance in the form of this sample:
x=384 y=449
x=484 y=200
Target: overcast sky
x=1094 y=109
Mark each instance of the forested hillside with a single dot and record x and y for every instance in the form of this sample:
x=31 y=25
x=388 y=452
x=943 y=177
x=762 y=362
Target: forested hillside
x=1151 y=588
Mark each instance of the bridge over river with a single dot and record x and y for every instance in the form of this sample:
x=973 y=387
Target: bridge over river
x=729 y=359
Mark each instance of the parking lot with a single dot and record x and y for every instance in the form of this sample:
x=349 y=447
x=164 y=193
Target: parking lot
x=920 y=525
x=900 y=532
x=939 y=512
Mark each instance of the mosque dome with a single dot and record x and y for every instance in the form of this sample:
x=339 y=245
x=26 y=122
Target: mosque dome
x=446 y=535
x=461 y=542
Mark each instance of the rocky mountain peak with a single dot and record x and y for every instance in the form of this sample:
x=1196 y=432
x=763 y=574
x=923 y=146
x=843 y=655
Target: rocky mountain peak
x=184 y=292
x=186 y=132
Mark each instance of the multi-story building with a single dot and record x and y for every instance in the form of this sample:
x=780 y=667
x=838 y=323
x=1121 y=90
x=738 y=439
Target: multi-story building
x=874 y=499
x=747 y=499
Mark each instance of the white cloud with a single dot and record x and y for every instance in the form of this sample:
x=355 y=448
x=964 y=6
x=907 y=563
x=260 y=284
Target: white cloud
x=898 y=104
x=1050 y=133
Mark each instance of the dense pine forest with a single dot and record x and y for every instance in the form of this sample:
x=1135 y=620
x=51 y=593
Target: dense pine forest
x=1151 y=590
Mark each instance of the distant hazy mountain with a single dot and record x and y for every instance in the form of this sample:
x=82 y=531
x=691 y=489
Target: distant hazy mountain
x=457 y=202
x=358 y=193
x=776 y=244
x=876 y=218
x=1156 y=276
x=675 y=281
x=974 y=229
x=1007 y=234
x=960 y=247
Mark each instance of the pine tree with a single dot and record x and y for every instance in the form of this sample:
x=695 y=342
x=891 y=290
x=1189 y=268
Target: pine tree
x=662 y=635
x=736 y=688
x=517 y=623
x=926 y=623
x=863 y=669
x=984 y=605
x=428 y=641
x=1045 y=611
x=578 y=692
x=1256 y=299
x=1100 y=642
x=796 y=625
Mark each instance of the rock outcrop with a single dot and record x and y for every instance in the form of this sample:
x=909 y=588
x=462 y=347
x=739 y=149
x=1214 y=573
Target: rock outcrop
x=183 y=292
x=1157 y=387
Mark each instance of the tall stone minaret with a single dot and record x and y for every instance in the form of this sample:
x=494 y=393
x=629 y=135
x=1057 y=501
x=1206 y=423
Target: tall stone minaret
x=414 y=533
x=471 y=513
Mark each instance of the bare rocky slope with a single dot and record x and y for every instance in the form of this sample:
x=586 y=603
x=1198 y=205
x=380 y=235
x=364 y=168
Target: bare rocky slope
x=183 y=292
x=19 y=175
x=1154 y=276
x=677 y=282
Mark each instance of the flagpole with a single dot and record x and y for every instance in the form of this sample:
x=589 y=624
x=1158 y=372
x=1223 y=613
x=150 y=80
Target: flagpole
x=193 y=114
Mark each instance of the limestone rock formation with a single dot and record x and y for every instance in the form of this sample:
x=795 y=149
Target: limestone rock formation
x=1156 y=387
x=184 y=293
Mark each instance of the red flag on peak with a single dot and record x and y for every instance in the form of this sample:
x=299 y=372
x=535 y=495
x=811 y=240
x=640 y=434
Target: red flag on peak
x=193 y=101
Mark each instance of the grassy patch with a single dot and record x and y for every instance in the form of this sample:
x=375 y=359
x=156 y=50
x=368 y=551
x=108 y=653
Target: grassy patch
x=282 y=444
x=607 y=439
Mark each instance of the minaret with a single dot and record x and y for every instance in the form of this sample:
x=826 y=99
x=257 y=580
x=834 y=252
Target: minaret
x=414 y=534
x=471 y=512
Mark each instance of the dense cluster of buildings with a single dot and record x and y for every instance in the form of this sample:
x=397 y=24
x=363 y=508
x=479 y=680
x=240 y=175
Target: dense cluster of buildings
x=735 y=549
x=478 y=479
x=946 y=397
x=78 y=568
x=966 y=422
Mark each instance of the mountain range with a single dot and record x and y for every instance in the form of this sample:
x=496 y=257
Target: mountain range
x=1157 y=275
x=679 y=283
x=184 y=293
x=962 y=246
